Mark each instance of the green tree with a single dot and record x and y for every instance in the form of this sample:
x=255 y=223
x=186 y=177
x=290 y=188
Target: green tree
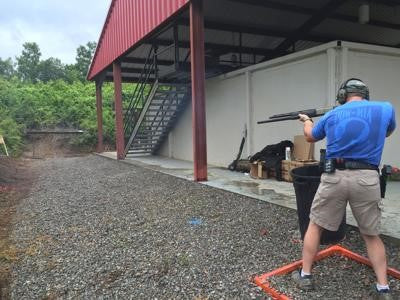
x=6 y=68
x=28 y=62
x=48 y=94
x=51 y=69
x=84 y=56
x=71 y=73
x=56 y=103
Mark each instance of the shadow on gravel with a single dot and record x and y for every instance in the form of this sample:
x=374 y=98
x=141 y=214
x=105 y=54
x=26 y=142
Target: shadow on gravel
x=95 y=228
x=15 y=182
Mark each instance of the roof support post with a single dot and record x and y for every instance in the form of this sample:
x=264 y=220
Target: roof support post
x=176 y=46
x=99 y=109
x=119 y=126
x=198 y=90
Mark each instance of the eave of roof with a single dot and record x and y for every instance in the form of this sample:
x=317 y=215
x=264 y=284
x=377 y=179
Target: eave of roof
x=112 y=4
x=179 y=4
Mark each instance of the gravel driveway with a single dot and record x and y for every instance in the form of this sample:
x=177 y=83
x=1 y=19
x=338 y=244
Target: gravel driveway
x=96 y=228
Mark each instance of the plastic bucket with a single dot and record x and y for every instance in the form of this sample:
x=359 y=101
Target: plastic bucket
x=306 y=180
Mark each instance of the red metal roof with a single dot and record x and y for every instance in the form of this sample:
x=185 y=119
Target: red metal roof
x=127 y=22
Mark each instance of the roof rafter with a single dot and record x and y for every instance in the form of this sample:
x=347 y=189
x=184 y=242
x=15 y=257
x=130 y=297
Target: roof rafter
x=215 y=46
x=128 y=70
x=252 y=30
x=320 y=15
x=141 y=61
x=311 y=11
x=109 y=78
x=389 y=2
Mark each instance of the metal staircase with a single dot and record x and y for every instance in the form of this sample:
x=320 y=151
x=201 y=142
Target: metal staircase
x=157 y=101
x=153 y=110
x=160 y=112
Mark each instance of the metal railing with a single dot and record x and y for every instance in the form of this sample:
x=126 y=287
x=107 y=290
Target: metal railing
x=139 y=118
x=140 y=93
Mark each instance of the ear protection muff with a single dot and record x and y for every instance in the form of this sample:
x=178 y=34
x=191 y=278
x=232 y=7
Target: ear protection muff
x=352 y=85
x=342 y=94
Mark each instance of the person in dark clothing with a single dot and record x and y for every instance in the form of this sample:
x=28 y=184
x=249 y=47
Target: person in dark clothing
x=355 y=132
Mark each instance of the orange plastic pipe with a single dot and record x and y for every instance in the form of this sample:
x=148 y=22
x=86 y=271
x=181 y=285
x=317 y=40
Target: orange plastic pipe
x=262 y=280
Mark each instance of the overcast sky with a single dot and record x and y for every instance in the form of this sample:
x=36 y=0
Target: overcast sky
x=57 y=26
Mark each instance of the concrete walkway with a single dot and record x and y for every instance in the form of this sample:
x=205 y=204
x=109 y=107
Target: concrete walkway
x=270 y=190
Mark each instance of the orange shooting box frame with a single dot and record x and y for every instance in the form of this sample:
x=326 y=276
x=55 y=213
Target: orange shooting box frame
x=262 y=280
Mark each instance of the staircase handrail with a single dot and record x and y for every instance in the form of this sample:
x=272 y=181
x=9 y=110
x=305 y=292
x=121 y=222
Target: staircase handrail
x=140 y=77
x=141 y=116
x=138 y=94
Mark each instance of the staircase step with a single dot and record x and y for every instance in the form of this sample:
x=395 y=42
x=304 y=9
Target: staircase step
x=138 y=152
x=147 y=136
x=170 y=92
x=175 y=94
x=160 y=126
x=174 y=84
x=157 y=104
x=159 y=123
x=144 y=145
x=164 y=101
x=159 y=119
x=161 y=112
x=150 y=131
x=169 y=100
x=165 y=105
x=166 y=97
x=161 y=115
x=141 y=136
x=164 y=110
x=146 y=139
x=156 y=121
x=144 y=148
x=145 y=142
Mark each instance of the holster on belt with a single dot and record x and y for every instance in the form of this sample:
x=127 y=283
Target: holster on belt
x=330 y=165
x=385 y=172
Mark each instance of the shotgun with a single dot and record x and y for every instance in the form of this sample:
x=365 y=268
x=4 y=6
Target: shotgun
x=294 y=115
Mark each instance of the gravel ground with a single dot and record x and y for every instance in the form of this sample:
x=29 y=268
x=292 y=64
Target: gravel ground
x=96 y=228
x=333 y=274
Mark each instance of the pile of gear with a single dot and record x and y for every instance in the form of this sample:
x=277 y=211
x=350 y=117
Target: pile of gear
x=272 y=156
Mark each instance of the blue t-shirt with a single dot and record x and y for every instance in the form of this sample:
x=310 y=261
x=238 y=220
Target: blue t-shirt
x=356 y=130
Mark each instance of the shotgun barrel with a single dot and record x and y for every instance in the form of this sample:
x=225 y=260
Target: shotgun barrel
x=307 y=112
x=294 y=115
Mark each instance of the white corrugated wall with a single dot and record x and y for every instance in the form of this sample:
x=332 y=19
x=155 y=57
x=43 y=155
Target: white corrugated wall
x=303 y=80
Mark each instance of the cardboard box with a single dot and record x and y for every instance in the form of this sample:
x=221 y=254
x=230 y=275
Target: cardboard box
x=262 y=173
x=288 y=165
x=286 y=170
x=258 y=171
x=303 y=150
x=254 y=170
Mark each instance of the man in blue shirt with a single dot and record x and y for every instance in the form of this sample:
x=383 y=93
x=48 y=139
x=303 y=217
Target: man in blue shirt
x=355 y=133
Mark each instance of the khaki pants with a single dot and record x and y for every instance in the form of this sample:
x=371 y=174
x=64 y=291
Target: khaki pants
x=358 y=187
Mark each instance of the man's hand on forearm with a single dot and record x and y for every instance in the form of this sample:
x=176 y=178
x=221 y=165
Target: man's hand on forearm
x=303 y=118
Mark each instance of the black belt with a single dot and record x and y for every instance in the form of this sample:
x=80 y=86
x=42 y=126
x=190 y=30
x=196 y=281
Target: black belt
x=342 y=164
